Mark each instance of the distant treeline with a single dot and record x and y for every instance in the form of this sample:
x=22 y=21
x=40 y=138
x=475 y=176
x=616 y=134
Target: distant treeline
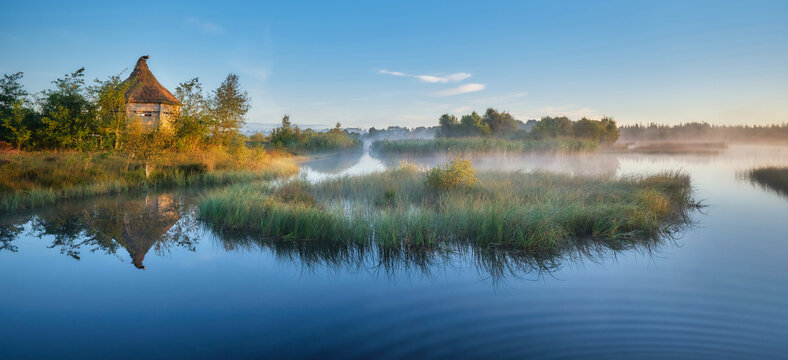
x=76 y=116
x=705 y=132
x=401 y=133
x=504 y=125
x=292 y=138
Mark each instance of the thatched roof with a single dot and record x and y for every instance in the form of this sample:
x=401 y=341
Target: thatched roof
x=145 y=89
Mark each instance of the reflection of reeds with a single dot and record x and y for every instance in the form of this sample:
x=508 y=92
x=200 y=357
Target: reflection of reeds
x=772 y=178
x=538 y=213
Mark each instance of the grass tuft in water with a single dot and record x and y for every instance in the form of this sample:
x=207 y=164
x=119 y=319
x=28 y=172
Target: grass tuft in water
x=772 y=178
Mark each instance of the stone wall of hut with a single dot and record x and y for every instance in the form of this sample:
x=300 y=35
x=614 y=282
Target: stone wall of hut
x=153 y=116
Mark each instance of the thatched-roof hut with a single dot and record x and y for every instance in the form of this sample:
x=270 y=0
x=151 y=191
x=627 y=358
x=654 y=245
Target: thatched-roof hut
x=147 y=100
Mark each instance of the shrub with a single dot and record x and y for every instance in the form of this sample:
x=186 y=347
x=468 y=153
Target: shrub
x=456 y=175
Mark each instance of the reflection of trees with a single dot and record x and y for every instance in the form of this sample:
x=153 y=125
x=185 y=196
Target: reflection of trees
x=10 y=228
x=106 y=225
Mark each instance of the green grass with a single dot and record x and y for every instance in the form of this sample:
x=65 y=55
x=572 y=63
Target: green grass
x=773 y=178
x=30 y=179
x=467 y=145
x=537 y=212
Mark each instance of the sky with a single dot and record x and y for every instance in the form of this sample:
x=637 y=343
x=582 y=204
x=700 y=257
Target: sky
x=404 y=63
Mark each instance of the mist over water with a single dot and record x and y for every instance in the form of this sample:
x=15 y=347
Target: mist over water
x=716 y=290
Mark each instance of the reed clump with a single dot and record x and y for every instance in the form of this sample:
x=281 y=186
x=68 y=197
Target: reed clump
x=533 y=212
x=772 y=178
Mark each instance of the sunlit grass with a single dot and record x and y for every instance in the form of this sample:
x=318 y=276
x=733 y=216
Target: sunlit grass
x=534 y=212
x=29 y=179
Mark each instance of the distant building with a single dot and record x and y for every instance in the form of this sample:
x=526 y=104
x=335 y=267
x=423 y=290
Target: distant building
x=147 y=100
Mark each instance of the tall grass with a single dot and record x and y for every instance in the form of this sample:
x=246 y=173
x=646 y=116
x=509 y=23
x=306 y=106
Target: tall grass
x=465 y=145
x=29 y=179
x=536 y=212
x=772 y=178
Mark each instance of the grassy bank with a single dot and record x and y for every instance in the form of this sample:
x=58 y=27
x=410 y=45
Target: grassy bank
x=773 y=178
x=467 y=145
x=29 y=179
x=537 y=212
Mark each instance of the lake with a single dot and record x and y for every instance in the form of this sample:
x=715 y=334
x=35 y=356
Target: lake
x=141 y=276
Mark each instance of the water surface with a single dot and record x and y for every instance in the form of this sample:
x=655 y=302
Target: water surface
x=74 y=284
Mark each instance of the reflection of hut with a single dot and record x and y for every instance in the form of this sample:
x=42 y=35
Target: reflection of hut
x=147 y=100
x=145 y=225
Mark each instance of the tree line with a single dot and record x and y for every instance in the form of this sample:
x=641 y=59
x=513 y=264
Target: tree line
x=503 y=125
x=705 y=132
x=292 y=138
x=74 y=115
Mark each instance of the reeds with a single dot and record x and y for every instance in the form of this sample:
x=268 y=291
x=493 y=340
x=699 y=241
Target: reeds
x=772 y=178
x=40 y=178
x=476 y=145
x=534 y=212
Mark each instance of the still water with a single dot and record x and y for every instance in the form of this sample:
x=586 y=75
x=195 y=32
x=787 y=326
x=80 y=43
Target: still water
x=142 y=277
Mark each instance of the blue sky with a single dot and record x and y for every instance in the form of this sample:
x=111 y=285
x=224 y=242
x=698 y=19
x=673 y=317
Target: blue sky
x=375 y=63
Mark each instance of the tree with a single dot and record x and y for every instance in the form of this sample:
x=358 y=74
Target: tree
x=283 y=136
x=612 y=132
x=192 y=125
x=500 y=124
x=110 y=104
x=16 y=124
x=229 y=105
x=553 y=127
x=448 y=125
x=473 y=125
x=589 y=129
x=11 y=93
x=68 y=115
x=144 y=145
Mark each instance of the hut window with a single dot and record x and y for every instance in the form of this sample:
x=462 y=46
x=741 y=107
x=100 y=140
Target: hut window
x=145 y=113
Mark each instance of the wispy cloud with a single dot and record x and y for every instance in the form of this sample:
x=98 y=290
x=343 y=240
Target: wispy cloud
x=395 y=73
x=205 y=26
x=463 y=89
x=430 y=78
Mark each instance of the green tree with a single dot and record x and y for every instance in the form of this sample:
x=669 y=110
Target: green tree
x=144 y=145
x=500 y=123
x=612 y=132
x=448 y=125
x=11 y=93
x=589 y=129
x=284 y=136
x=192 y=125
x=109 y=97
x=15 y=123
x=553 y=127
x=229 y=105
x=473 y=125
x=68 y=114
